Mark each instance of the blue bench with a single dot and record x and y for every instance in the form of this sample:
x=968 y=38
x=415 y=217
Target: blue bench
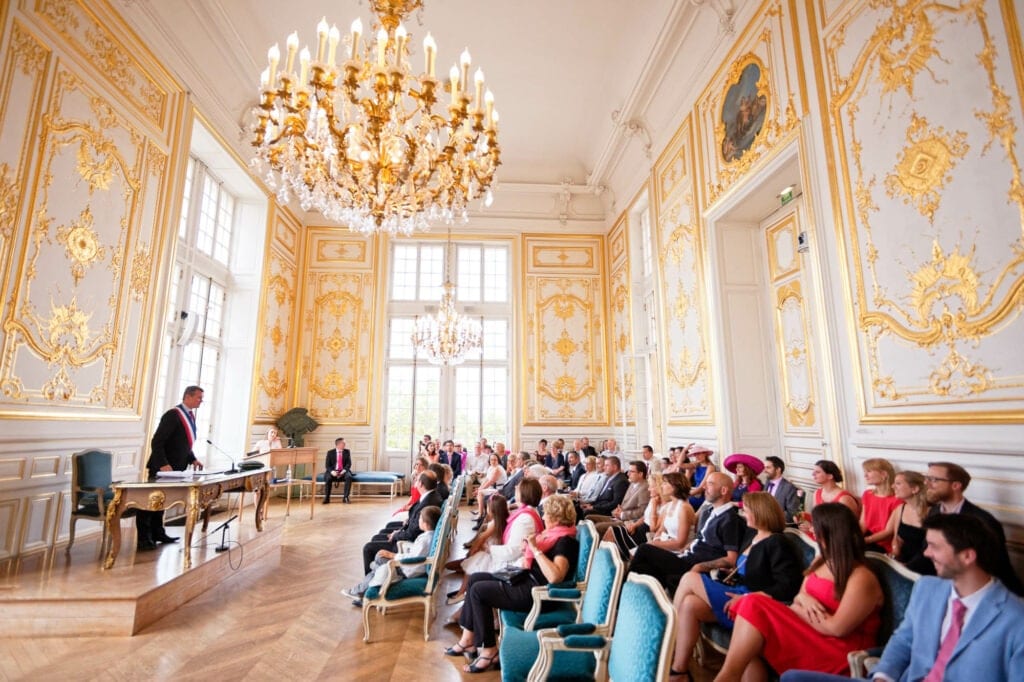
x=392 y=480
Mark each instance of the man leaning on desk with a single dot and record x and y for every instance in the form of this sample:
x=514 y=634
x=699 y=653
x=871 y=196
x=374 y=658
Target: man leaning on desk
x=170 y=450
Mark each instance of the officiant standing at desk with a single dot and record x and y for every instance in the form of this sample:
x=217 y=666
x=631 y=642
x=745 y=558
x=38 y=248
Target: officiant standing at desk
x=170 y=450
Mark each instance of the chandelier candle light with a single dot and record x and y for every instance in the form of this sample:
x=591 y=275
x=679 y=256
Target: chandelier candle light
x=360 y=142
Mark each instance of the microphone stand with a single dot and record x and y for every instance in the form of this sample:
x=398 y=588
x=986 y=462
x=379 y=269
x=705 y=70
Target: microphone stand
x=223 y=546
x=234 y=466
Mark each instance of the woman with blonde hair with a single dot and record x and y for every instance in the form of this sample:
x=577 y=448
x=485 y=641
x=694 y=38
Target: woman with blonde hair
x=878 y=504
x=905 y=523
x=549 y=557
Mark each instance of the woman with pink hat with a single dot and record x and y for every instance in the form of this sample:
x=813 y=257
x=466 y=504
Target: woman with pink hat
x=746 y=468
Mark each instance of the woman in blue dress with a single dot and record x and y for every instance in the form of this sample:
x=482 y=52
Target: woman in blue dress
x=770 y=564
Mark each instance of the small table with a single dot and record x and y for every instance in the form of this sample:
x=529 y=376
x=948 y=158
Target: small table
x=193 y=494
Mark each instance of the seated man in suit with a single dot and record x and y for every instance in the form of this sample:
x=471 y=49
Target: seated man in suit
x=961 y=625
x=633 y=505
x=781 y=488
x=427 y=483
x=615 y=486
x=945 y=484
x=720 y=535
x=339 y=468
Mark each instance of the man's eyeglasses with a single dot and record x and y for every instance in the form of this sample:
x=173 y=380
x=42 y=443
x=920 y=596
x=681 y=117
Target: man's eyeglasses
x=935 y=479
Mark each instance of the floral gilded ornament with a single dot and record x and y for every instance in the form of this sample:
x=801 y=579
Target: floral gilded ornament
x=8 y=201
x=565 y=346
x=142 y=269
x=81 y=244
x=924 y=166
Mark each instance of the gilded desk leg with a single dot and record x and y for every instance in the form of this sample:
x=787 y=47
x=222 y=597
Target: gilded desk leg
x=114 y=511
x=191 y=516
x=262 y=498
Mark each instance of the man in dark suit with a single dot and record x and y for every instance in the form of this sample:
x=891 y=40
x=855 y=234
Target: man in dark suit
x=339 y=469
x=170 y=450
x=615 y=486
x=780 y=488
x=587 y=450
x=575 y=470
x=944 y=489
x=427 y=483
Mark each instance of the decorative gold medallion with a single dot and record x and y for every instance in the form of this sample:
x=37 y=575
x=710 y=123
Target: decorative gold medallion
x=156 y=500
x=924 y=166
x=81 y=244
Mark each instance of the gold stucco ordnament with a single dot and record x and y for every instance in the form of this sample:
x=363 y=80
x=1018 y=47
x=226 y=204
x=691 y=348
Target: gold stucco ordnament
x=81 y=244
x=8 y=201
x=924 y=166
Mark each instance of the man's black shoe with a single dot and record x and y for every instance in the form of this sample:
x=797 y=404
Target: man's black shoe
x=145 y=546
x=165 y=538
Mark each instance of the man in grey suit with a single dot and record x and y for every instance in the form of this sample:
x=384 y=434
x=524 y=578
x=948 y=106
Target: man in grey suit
x=780 y=488
x=963 y=624
x=633 y=504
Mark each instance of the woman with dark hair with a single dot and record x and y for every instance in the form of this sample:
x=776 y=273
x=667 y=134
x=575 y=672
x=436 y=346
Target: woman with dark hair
x=769 y=565
x=828 y=477
x=480 y=557
x=835 y=612
x=671 y=517
x=550 y=557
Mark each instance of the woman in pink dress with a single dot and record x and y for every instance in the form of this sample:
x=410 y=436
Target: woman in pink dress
x=835 y=612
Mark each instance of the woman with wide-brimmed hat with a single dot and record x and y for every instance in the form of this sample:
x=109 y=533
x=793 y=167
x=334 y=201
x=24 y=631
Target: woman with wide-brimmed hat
x=746 y=468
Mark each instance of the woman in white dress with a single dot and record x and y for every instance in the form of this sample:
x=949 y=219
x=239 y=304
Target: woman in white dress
x=523 y=523
x=675 y=519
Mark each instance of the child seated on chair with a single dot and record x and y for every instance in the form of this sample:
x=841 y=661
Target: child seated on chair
x=379 y=566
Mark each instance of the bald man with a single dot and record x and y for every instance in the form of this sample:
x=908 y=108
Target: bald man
x=720 y=531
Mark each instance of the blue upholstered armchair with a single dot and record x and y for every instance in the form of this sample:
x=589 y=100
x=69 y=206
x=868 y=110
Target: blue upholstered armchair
x=897 y=584
x=91 y=475
x=520 y=648
x=639 y=650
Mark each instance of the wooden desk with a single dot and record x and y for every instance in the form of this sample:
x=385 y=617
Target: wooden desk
x=281 y=458
x=192 y=494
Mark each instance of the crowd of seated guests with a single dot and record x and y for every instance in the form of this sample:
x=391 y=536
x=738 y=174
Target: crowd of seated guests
x=727 y=563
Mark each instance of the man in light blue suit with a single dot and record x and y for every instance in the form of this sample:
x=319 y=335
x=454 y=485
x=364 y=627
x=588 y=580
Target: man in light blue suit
x=926 y=646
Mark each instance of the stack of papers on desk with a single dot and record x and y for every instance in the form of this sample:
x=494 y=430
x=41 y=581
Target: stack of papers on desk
x=174 y=474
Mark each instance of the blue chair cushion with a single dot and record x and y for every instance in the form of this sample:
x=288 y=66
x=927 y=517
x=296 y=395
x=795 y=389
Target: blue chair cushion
x=575 y=629
x=585 y=641
x=564 y=592
x=519 y=651
x=409 y=587
x=377 y=476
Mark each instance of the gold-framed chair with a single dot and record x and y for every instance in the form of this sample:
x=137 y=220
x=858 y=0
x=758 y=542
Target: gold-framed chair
x=91 y=476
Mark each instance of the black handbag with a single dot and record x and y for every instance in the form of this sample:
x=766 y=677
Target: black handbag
x=512 y=575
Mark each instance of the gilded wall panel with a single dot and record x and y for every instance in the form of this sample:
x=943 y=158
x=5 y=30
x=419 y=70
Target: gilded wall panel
x=80 y=301
x=22 y=86
x=623 y=407
x=565 y=350
x=279 y=326
x=752 y=106
x=94 y=40
x=340 y=290
x=925 y=110
x=582 y=257
x=687 y=381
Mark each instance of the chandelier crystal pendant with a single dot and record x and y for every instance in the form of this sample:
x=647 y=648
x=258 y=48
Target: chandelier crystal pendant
x=448 y=337
x=360 y=141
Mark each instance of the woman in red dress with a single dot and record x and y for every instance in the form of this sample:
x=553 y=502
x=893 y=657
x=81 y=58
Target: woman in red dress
x=836 y=611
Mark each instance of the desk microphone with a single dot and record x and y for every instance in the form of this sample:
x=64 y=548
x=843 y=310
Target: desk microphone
x=234 y=467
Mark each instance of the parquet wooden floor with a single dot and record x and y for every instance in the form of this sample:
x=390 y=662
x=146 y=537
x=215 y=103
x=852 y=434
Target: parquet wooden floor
x=285 y=622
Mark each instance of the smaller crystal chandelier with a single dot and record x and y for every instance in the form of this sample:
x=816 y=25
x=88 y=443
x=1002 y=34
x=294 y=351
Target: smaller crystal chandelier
x=354 y=134
x=446 y=338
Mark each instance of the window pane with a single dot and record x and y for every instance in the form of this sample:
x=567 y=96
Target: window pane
x=225 y=219
x=496 y=339
x=428 y=400
x=496 y=274
x=207 y=216
x=215 y=312
x=403 y=283
x=400 y=346
x=468 y=273
x=431 y=272
x=399 y=408
x=494 y=404
x=467 y=403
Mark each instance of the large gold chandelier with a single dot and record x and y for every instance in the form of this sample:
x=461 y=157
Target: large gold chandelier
x=448 y=337
x=359 y=140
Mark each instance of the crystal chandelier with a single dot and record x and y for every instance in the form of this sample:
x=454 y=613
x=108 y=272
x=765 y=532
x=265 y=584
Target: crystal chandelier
x=446 y=338
x=360 y=142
